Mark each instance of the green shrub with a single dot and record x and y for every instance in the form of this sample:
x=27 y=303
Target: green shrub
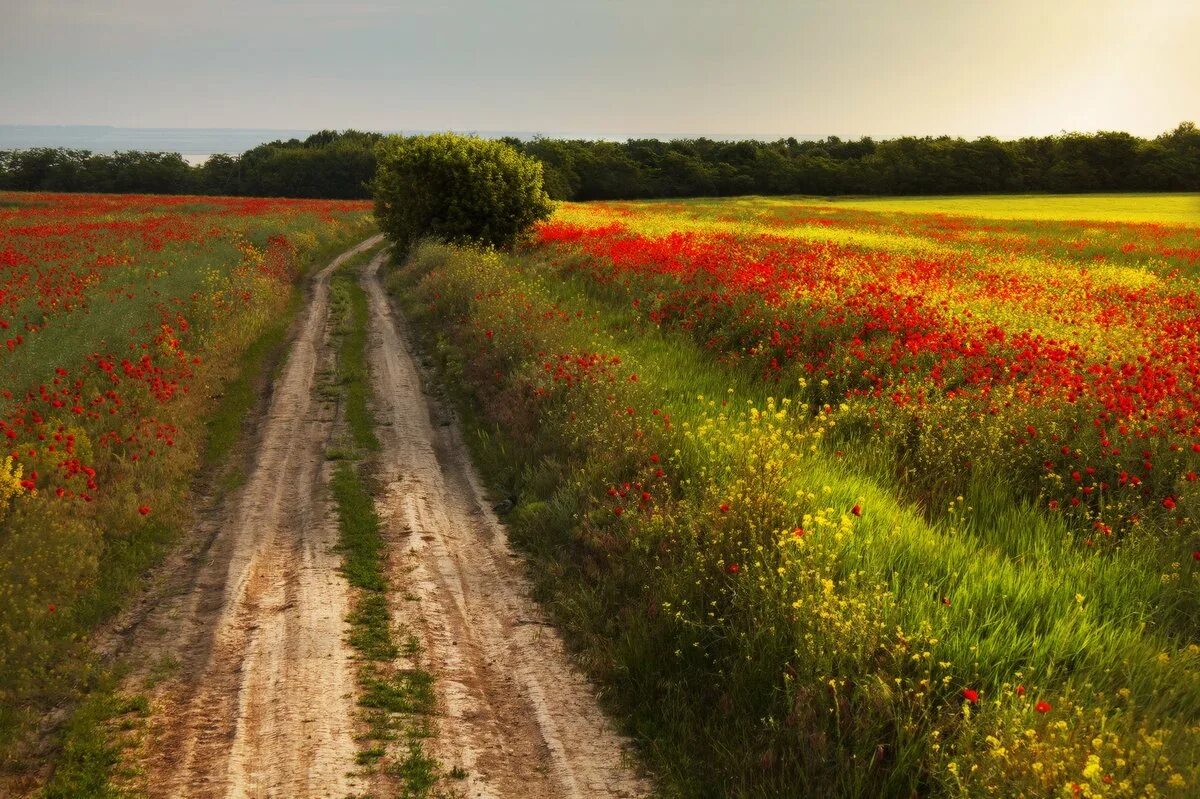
x=459 y=189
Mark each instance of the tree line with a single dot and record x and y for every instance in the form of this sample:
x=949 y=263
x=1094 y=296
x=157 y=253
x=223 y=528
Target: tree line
x=341 y=165
x=328 y=164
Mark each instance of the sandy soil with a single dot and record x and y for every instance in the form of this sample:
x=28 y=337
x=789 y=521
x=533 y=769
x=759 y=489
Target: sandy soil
x=514 y=713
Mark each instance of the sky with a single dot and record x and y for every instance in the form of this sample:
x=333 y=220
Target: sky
x=618 y=68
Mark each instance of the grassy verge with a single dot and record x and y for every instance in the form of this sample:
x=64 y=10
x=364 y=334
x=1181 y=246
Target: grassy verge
x=227 y=425
x=106 y=723
x=98 y=728
x=396 y=695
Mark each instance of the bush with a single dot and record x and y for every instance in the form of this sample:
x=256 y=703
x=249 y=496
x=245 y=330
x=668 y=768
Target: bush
x=458 y=189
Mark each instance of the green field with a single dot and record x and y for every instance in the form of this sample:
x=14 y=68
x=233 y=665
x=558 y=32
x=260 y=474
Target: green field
x=1174 y=209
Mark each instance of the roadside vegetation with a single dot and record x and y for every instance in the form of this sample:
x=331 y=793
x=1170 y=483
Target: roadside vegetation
x=849 y=503
x=135 y=334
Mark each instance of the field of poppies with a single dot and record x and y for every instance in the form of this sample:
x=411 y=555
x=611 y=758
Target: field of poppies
x=842 y=501
x=126 y=324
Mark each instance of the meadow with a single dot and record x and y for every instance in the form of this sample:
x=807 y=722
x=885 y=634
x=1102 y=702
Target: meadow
x=133 y=331
x=880 y=498
x=1175 y=209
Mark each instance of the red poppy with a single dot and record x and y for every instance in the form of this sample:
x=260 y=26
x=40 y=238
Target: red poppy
x=1169 y=503
x=618 y=510
x=733 y=568
x=971 y=695
x=725 y=507
x=1020 y=690
x=144 y=510
x=1042 y=707
x=856 y=510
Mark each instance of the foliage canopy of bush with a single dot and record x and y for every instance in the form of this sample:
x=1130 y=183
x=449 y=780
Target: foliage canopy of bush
x=458 y=189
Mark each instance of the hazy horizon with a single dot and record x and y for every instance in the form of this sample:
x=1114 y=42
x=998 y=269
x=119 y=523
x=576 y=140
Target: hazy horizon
x=611 y=70
x=14 y=131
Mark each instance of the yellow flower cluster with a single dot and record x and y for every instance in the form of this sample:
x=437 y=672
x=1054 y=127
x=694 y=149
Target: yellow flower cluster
x=1070 y=751
x=10 y=482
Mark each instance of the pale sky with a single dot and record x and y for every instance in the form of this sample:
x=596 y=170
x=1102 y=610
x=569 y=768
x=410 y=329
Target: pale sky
x=623 y=67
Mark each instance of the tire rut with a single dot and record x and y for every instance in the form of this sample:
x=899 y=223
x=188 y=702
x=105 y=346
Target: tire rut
x=261 y=702
x=514 y=713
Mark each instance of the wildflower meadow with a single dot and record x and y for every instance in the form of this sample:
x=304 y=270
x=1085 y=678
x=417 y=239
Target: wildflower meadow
x=849 y=501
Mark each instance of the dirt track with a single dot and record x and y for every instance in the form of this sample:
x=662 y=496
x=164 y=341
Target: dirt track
x=514 y=714
x=259 y=700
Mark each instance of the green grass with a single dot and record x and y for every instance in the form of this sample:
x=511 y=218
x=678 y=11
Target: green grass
x=419 y=774
x=227 y=425
x=99 y=730
x=1180 y=209
x=350 y=312
x=360 y=542
x=111 y=320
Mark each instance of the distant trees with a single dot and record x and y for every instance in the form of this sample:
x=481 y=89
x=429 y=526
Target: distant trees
x=45 y=169
x=1073 y=162
x=328 y=164
x=458 y=189
x=341 y=164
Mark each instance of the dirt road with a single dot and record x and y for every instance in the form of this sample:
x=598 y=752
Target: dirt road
x=258 y=697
